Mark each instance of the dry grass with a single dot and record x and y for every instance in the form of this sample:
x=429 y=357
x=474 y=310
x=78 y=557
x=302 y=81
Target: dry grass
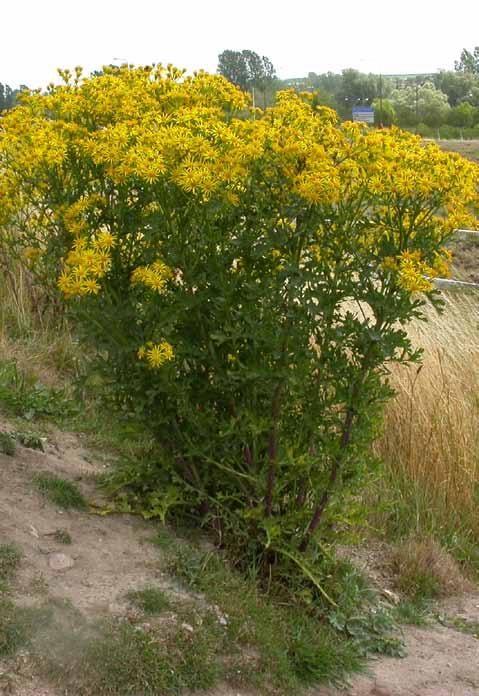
x=31 y=333
x=423 y=569
x=430 y=443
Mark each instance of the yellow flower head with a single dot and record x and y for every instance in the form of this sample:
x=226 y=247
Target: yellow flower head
x=158 y=354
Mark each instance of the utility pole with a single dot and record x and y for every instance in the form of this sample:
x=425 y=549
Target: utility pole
x=380 y=100
x=417 y=103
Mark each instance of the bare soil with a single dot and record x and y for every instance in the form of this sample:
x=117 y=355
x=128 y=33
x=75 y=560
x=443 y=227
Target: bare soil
x=113 y=554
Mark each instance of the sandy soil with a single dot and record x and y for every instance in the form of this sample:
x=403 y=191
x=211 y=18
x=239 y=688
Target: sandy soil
x=114 y=554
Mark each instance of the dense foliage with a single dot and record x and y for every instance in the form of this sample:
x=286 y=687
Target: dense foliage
x=243 y=277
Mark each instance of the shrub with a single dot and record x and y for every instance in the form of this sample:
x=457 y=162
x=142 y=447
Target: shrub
x=425 y=131
x=242 y=276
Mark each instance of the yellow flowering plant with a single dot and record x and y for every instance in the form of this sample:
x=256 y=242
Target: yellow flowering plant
x=245 y=276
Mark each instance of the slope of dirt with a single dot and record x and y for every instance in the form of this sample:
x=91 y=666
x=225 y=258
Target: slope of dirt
x=112 y=555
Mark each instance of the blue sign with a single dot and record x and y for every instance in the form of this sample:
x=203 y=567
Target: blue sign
x=363 y=113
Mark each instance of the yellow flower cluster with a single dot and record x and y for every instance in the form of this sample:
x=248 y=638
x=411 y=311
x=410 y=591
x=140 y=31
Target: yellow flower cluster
x=154 y=276
x=414 y=274
x=156 y=354
x=86 y=264
x=95 y=151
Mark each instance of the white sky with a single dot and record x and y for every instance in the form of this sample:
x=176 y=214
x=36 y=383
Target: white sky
x=299 y=36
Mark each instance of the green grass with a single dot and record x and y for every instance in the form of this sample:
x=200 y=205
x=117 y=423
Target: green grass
x=24 y=395
x=10 y=557
x=151 y=600
x=61 y=536
x=7 y=444
x=119 y=658
x=18 y=625
x=60 y=491
x=413 y=613
x=30 y=440
x=459 y=623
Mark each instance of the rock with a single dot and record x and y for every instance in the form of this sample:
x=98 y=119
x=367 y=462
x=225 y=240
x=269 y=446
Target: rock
x=60 y=561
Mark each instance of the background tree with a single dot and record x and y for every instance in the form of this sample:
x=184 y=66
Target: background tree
x=458 y=86
x=248 y=71
x=420 y=104
x=384 y=113
x=462 y=115
x=468 y=62
x=8 y=96
x=232 y=65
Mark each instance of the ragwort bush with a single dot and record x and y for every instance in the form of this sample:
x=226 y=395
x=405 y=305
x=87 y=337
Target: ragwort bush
x=244 y=276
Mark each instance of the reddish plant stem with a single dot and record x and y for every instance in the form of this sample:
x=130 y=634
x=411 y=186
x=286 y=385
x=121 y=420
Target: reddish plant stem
x=272 y=451
x=301 y=497
x=318 y=513
x=248 y=457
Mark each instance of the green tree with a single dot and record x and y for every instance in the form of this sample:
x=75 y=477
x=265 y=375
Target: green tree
x=7 y=96
x=462 y=115
x=420 y=104
x=384 y=113
x=233 y=66
x=247 y=70
x=468 y=62
x=458 y=86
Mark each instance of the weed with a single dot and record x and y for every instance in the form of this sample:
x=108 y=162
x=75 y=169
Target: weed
x=417 y=613
x=25 y=396
x=151 y=600
x=10 y=557
x=468 y=626
x=19 y=624
x=61 y=536
x=30 y=440
x=60 y=491
x=7 y=444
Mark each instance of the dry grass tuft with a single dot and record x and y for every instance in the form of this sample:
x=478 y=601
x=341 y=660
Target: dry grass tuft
x=32 y=330
x=422 y=569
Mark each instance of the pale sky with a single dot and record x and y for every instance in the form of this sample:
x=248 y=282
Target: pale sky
x=299 y=36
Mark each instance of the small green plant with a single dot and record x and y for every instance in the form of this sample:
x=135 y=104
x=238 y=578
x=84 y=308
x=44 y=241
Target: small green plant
x=30 y=440
x=10 y=557
x=7 y=444
x=416 y=613
x=151 y=600
x=60 y=491
x=23 y=395
x=19 y=624
x=61 y=536
x=460 y=623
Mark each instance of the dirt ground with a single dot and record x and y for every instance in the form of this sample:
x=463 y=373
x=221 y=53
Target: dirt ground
x=110 y=555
